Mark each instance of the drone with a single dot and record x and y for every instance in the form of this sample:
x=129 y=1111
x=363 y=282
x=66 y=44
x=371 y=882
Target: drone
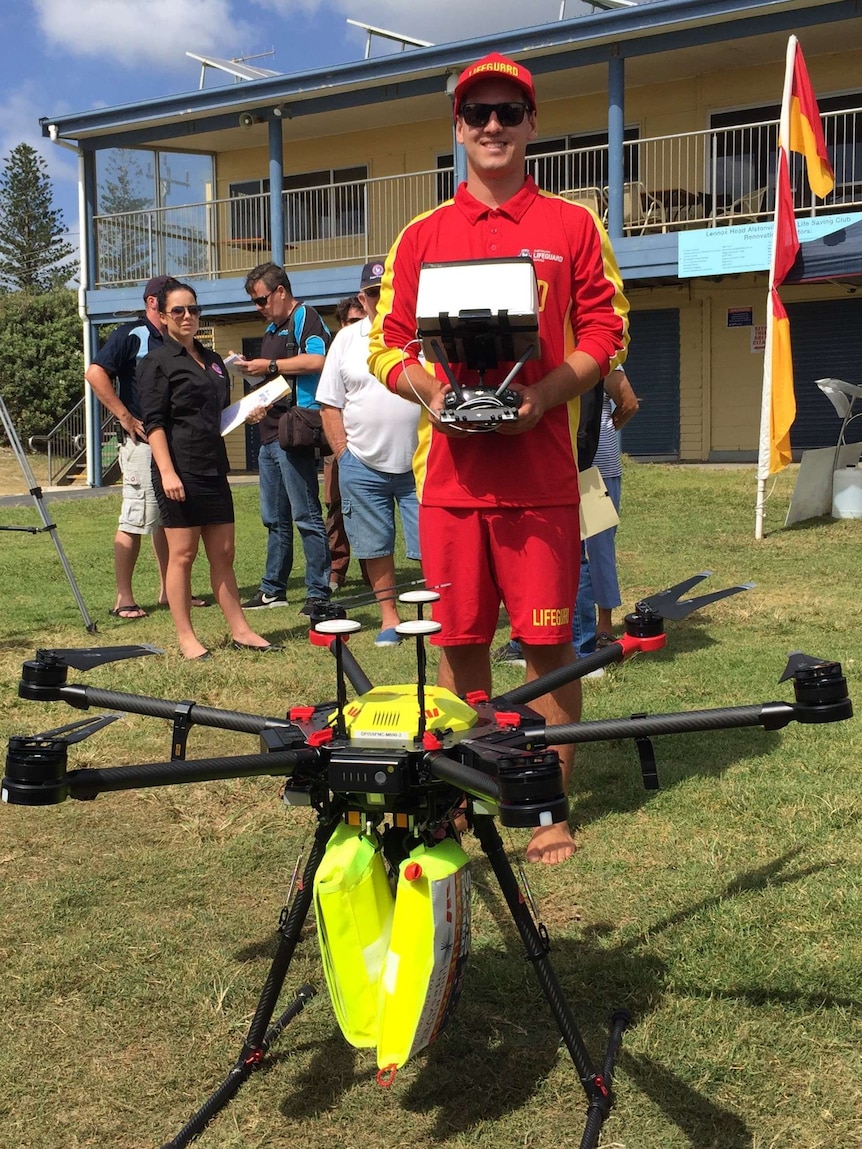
x=400 y=772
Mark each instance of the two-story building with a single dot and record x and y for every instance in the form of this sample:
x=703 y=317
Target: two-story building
x=663 y=118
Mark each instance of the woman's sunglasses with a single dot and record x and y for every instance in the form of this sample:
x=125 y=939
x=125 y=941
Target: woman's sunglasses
x=509 y=114
x=178 y=312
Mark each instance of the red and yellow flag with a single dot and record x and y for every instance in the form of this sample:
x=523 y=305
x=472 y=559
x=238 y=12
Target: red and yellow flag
x=782 y=410
x=786 y=238
x=806 y=130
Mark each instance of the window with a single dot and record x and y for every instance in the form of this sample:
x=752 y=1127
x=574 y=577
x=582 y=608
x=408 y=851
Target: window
x=317 y=205
x=325 y=204
x=746 y=141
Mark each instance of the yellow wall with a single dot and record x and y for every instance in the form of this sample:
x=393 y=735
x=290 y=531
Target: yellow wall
x=720 y=376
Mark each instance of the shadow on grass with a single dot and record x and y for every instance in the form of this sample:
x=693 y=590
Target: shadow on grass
x=502 y=1043
x=609 y=778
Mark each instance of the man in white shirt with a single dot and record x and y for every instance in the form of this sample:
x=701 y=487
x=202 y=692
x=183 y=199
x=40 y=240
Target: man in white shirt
x=373 y=437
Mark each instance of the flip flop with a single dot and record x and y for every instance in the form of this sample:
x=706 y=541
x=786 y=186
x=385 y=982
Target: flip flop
x=196 y=601
x=123 y=612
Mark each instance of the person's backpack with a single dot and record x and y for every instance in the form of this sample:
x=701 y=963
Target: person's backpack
x=590 y=425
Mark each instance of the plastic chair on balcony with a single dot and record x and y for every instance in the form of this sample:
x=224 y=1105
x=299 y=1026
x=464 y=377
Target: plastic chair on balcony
x=593 y=198
x=747 y=209
x=641 y=209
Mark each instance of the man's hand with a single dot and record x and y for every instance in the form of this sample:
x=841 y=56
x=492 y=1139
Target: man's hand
x=133 y=427
x=529 y=413
x=625 y=400
x=255 y=367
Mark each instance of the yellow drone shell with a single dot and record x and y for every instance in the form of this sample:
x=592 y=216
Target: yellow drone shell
x=391 y=714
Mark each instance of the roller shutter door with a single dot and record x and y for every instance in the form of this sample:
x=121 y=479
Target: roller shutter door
x=653 y=368
x=826 y=336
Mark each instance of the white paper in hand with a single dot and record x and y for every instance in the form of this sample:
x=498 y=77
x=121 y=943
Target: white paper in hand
x=268 y=394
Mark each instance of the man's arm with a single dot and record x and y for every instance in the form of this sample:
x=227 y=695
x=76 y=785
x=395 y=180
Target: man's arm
x=103 y=388
x=295 y=365
x=625 y=401
x=333 y=428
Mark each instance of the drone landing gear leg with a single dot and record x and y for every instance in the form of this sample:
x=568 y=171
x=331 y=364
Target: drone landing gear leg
x=259 y=1037
x=597 y=1085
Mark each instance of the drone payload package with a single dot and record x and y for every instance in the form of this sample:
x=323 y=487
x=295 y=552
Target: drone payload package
x=494 y=298
x=353 y=905
x=428 y=950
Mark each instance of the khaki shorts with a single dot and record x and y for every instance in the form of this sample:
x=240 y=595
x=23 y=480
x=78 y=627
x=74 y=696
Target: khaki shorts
x=139 y=514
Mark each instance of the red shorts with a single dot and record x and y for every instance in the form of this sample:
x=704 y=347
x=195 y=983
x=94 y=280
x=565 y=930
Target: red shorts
x=526 y=558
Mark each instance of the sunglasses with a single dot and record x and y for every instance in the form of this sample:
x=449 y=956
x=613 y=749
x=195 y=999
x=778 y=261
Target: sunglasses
x=509 y=114
x=355 y=319
x=261 y=300
x=371 y=292
x=178 y=312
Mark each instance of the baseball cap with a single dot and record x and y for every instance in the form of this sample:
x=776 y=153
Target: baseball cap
x=155 y=285
x=372 y=274
x=497 y=67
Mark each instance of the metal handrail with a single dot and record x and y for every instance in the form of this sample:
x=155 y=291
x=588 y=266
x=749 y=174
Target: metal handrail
x=706 y=178
x=66 y=443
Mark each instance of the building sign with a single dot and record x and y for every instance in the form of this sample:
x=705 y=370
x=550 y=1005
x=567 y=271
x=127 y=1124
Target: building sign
x=746 y=246
x=758 y=339
x=740 y=316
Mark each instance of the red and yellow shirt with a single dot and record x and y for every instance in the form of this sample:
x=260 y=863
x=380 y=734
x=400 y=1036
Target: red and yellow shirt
x=582 y=307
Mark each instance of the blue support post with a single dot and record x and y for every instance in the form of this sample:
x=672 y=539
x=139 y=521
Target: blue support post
x=276 y=183
x=616 y=129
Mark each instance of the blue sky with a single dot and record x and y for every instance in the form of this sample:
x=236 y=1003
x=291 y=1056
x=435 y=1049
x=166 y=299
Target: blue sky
x=60 y=56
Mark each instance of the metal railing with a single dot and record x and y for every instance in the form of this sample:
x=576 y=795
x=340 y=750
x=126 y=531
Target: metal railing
x=709 y=178
x=66 y=443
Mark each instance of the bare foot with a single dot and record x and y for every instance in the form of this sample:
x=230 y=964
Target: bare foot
x=192 y=649
x=249 y=639
x=551 y=844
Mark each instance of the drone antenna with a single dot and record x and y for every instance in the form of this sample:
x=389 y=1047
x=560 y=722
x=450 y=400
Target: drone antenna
x=339 y=627
x=420 y=627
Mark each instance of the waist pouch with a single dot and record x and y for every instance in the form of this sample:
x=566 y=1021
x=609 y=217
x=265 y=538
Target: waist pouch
x=301 y=428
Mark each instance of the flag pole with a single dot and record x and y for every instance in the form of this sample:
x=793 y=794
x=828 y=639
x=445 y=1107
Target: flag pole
x=766 y=390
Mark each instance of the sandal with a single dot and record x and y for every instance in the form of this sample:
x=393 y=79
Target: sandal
x=129 y=613
x=604 y=639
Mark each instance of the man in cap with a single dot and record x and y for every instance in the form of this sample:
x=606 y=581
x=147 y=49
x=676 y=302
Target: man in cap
x=373 y=438
x=499 y=511
x=117 y=362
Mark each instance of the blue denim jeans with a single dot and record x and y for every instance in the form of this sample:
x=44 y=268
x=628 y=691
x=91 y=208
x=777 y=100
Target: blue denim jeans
x=584 y=617
x=289 y=494
x=368 y=500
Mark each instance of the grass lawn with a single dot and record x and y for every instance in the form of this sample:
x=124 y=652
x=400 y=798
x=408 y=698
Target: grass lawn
x=723 y=910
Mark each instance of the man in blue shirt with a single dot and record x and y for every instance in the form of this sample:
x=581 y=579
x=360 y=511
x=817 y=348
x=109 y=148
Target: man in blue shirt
x=294 y=345
x=118 y=361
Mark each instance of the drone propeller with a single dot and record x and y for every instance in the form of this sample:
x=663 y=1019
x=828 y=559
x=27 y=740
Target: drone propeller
x=77 y=731
x=86 y=658
x=669 y=603
x=797 y=660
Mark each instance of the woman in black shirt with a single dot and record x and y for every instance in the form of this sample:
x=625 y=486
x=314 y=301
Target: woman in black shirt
x=183 y=388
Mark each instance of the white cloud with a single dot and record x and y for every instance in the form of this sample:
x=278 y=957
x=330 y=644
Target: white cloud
x=441 y=22
x=19 y=124
x=140 y=31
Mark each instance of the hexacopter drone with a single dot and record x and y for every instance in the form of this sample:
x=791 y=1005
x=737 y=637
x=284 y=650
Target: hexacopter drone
x=394 y=776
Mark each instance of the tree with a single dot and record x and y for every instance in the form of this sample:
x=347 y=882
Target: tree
x=34 y=256
x=41 y=358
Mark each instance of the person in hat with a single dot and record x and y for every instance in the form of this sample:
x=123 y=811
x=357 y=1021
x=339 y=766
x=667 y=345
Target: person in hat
x=112 y=376
x=499 y=511
x=373 y=438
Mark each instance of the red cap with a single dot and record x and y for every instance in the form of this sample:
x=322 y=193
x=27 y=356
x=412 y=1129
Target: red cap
x=495 y=67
